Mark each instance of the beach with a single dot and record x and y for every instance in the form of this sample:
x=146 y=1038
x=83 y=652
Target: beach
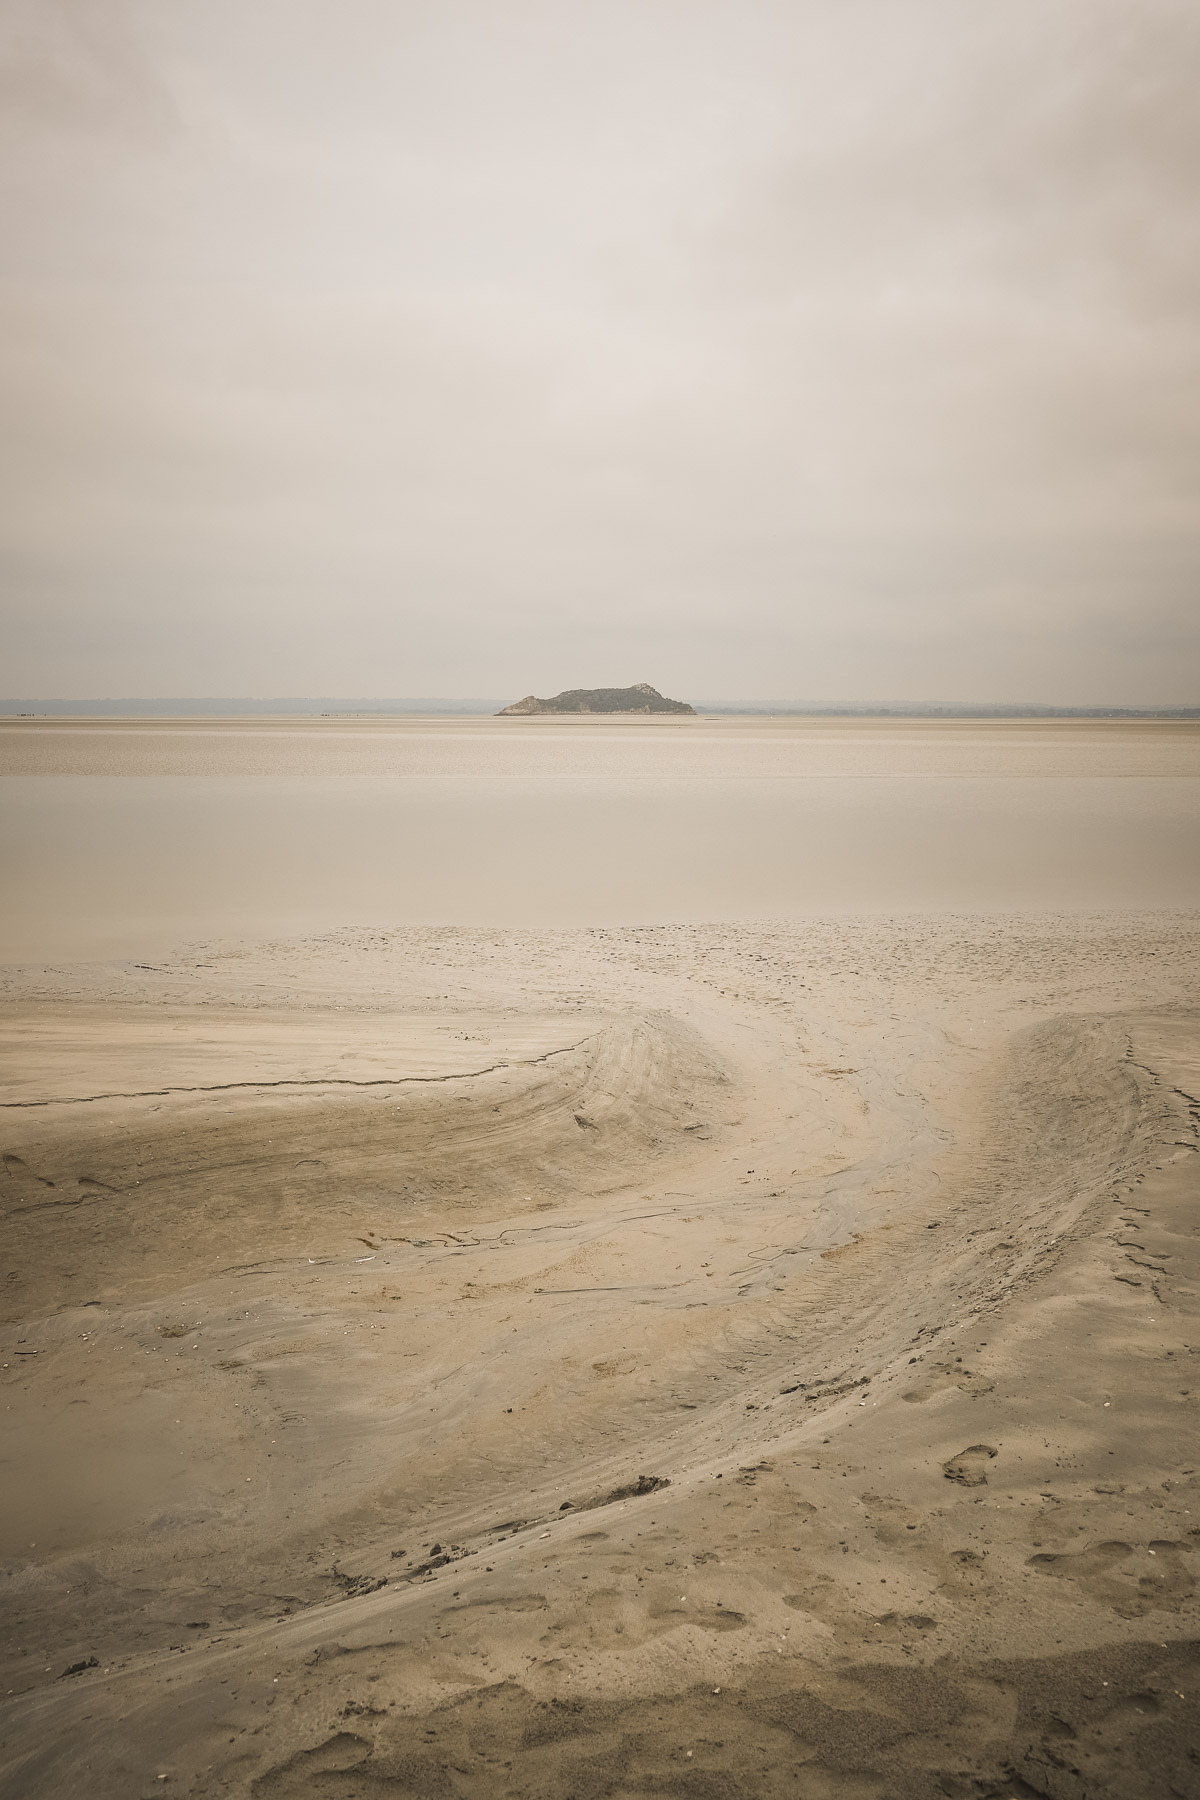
x=660 y=1351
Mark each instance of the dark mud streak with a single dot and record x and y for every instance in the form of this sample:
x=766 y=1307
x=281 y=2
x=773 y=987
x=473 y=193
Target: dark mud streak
x=226 y=1087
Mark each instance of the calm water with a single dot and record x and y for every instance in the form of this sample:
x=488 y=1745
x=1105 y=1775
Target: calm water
x=121 y=841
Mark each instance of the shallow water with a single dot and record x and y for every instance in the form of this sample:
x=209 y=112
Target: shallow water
x=137 y=837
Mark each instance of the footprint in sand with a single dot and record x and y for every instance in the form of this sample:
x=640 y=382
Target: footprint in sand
x=943 y=1375
x=969 y=1467
x=1129 y=1581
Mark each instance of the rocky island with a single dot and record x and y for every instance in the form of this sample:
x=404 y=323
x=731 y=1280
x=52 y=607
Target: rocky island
x=641 y=698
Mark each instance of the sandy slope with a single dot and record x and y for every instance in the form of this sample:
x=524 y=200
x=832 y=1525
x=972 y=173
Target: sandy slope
x=717 y=1361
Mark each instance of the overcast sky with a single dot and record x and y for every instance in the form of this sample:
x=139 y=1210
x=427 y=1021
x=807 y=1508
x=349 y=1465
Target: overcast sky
x=759 y=349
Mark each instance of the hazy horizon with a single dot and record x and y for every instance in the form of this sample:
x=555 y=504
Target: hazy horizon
x=439 y=349
x=209 y=705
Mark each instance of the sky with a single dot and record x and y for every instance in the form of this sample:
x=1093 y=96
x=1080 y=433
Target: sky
x=759 y=349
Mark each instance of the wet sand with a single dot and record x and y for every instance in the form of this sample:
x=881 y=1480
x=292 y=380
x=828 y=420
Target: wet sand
x=125 y=838
x=730 y=1360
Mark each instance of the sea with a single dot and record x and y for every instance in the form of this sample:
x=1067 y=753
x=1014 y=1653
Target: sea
x=127 y=836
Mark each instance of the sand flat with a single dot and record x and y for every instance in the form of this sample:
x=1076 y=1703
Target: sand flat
x=797 y=1352
x=705 y=747
x=129 y=838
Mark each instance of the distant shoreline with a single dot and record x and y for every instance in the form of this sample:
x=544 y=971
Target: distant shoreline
x=231 y=708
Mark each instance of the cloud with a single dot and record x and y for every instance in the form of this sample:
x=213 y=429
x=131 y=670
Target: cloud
x=72 y=67
x=800 y=350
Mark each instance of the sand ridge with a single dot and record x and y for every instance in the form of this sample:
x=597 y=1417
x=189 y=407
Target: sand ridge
x=873 y=1240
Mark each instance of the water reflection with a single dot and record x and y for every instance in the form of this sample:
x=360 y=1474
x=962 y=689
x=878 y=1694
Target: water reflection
x=119 y=865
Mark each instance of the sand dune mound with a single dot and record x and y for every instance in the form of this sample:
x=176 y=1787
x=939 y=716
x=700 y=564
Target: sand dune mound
x=303 y=1168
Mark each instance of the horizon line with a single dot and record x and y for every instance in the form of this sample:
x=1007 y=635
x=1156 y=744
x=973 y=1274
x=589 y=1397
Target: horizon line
x=212 y=705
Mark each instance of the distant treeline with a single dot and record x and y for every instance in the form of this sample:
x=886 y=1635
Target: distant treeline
x=332 y=706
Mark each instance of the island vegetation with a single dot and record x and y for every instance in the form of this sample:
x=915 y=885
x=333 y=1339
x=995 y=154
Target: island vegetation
x=641 y=698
